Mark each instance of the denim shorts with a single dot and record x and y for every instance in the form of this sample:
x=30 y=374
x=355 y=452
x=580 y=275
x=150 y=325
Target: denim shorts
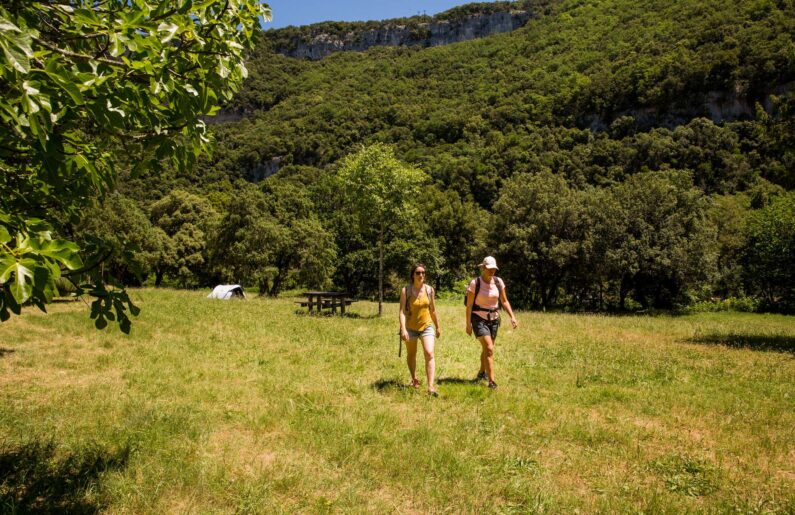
x=429 y=331
x=482 y=327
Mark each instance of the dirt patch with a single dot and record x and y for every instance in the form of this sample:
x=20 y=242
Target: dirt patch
x=648 y=424
x=398 y=502
x=245 y=453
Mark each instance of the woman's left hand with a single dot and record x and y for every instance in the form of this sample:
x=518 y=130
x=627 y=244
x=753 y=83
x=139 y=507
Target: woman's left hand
x=438 y=333
x=514 y=323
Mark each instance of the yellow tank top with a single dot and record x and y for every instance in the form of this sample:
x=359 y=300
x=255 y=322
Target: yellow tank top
x=418 y=316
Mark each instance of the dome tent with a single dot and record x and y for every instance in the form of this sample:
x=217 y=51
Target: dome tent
x=227 y=291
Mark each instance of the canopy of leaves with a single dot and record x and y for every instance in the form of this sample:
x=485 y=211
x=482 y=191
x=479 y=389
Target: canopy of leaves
x=185 y=220
x=270 y=240
x=92 y=86
x=771 y=252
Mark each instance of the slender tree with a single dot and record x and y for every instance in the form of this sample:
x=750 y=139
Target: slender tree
x=381 y=191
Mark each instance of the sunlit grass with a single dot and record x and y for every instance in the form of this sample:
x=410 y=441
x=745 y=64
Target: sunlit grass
x=249 y=406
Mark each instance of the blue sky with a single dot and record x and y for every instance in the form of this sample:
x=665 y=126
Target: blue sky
x=304 y=12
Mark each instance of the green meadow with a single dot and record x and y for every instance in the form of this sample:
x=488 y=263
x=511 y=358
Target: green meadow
x=253 y=407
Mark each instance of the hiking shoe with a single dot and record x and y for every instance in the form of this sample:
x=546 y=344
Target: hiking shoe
x=492 y=385
x=481 y=376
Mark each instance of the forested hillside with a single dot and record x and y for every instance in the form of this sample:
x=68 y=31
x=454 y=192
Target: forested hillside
x=610 y=153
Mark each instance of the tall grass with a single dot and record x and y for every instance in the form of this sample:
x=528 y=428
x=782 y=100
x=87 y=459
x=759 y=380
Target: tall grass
x=212 y=406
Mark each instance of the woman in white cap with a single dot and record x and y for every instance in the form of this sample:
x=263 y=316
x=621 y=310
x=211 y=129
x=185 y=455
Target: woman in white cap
x=485 y=294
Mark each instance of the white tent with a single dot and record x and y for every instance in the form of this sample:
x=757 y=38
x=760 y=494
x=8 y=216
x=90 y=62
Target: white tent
x=227 y=291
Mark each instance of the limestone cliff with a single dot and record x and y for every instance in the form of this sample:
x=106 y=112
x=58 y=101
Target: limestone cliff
x=316 y=43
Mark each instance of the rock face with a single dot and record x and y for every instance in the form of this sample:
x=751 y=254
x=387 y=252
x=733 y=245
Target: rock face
x=434 y=33
x=718 y=106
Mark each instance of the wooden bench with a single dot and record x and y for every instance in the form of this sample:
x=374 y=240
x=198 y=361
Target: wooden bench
x=319 y=300
x=326 y=303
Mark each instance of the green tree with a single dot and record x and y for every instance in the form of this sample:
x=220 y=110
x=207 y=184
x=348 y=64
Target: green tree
x=666 y=245
x=773 y=135
x=460 y=228
x=185 y=218
x=304 y=248
x=597 y=275
x=770 y=253
x=270 y=238
x=86 y=86
x=241 y=247
x=729 y=214
x=122 y=228
x=713 y=153
x=538 y=230
x=382 y=193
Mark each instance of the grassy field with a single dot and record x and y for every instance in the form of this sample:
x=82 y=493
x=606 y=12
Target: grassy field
x=214 y=406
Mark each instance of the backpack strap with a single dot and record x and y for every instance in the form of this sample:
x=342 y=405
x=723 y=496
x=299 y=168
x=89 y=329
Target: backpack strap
x=431 y=300
x=475 y=306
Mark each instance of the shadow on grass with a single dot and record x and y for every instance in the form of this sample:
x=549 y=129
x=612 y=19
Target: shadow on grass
x=385 y=385
x=4 y=351
x=763 y=342
x=40 y=478
x=324 y=314
x=456 y=380
x=394 y=384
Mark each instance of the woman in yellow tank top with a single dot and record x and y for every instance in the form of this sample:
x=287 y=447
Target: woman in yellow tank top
x=418 y=322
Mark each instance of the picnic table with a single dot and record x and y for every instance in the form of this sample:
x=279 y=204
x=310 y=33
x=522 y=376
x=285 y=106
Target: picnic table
x=317 y=300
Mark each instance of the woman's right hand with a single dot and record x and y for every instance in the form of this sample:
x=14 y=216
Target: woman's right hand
x=404 y=335
x=469 y=329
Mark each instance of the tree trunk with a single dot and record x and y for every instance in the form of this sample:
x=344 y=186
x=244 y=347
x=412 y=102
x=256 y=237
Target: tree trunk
x=381 y=271
x=158 y=278
x=276 y=285
x=601 y=297
x=623 y=289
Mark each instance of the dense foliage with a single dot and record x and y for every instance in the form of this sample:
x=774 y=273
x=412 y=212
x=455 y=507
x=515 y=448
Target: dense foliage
x=611 y=154
x=771 y=252
x=89 y=87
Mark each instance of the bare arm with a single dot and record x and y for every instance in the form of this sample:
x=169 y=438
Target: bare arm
x=470 y=302
x=432 y=302
x=402 y=316
x=507 y=306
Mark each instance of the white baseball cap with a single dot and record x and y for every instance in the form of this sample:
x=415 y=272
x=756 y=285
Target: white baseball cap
x=489 y=262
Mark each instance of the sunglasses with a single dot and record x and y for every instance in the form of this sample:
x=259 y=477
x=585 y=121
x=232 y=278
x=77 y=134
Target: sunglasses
x=419 y=273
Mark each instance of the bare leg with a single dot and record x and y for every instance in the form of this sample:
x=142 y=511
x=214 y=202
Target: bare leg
x=411 y=359
x=428 y=344
x=487 y=356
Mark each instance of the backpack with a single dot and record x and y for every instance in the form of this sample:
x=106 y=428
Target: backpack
x=475 y=307
x=428 y=292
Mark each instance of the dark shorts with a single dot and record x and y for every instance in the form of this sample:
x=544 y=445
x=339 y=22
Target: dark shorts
x=483 y=327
